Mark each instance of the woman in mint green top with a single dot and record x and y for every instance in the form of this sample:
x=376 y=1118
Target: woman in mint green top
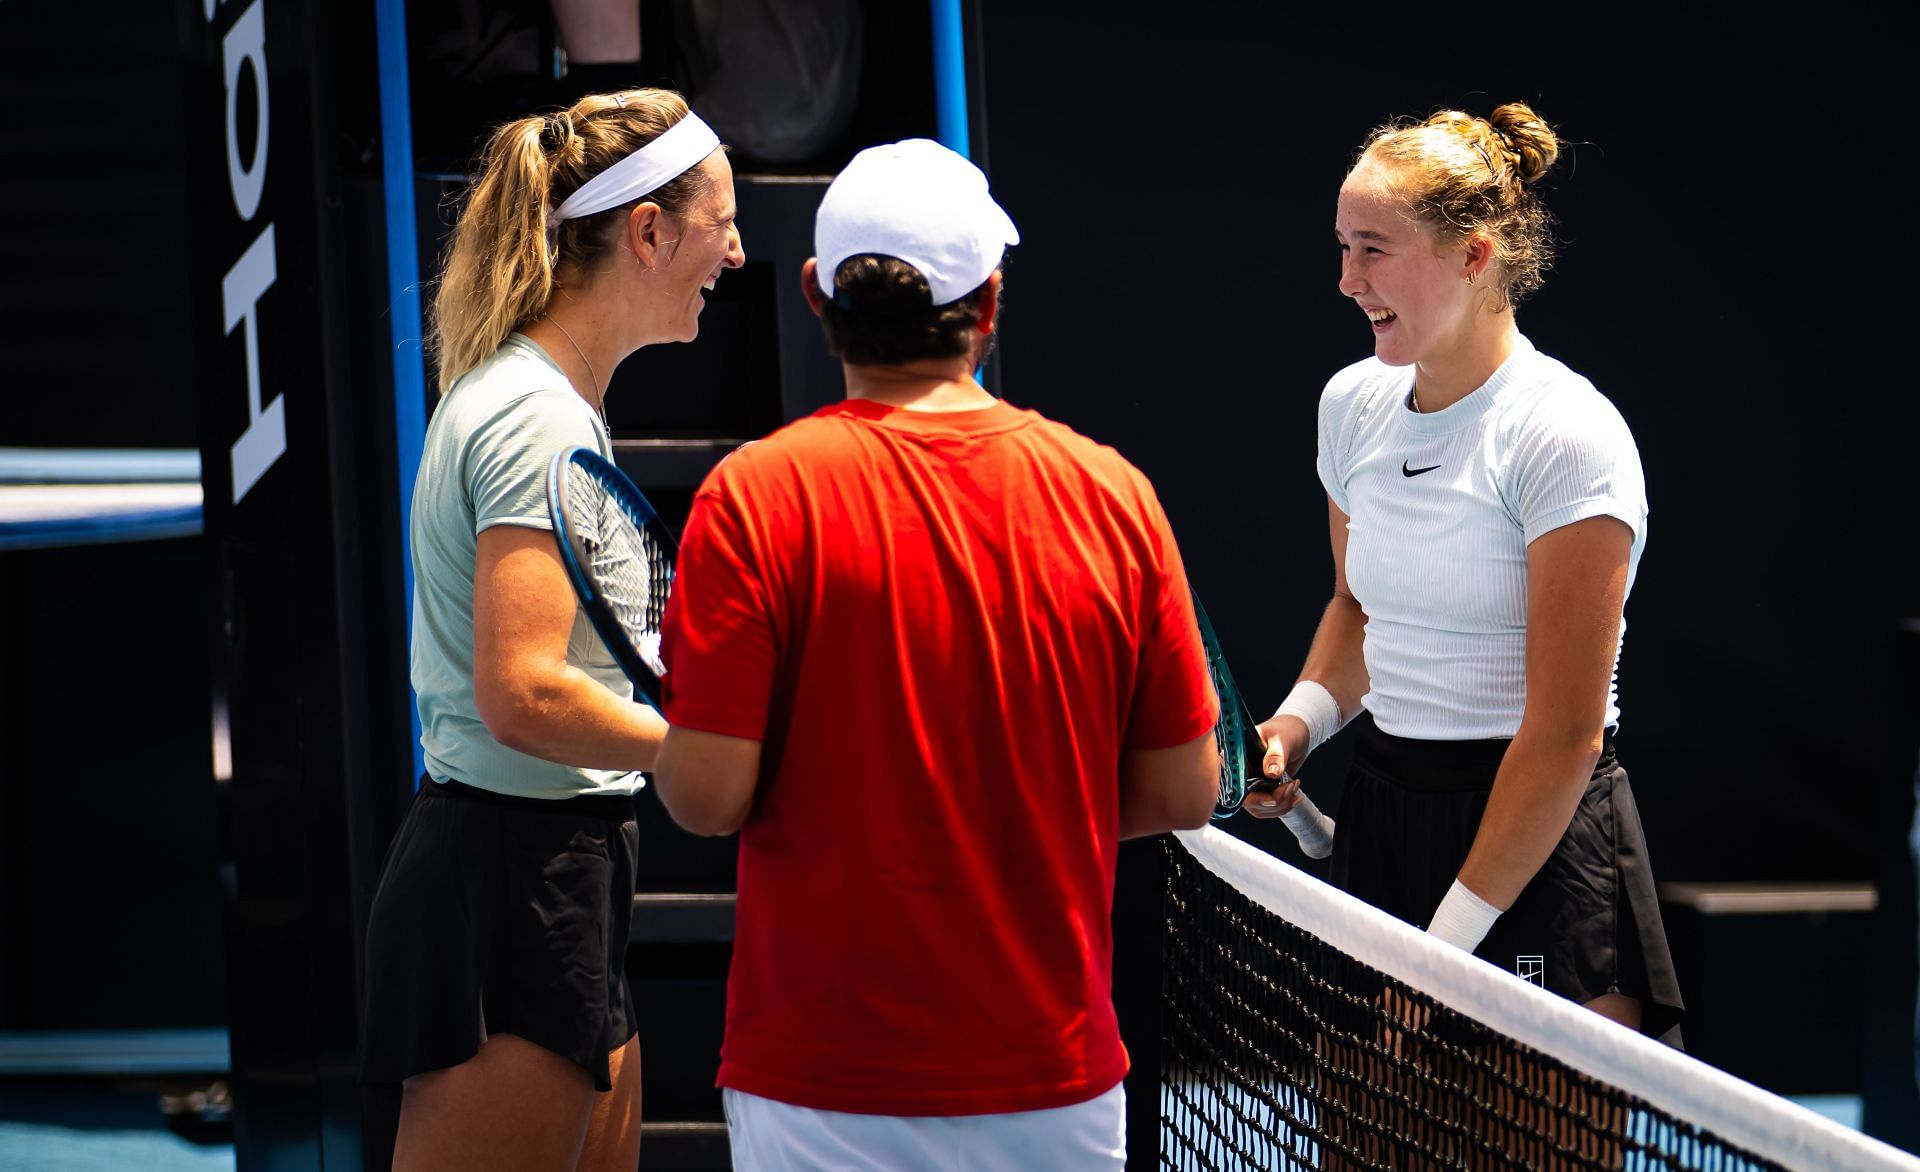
x=495 y=990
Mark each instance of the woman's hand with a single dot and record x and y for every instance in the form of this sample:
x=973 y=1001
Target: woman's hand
x=1286 y=740
x=1337 y=660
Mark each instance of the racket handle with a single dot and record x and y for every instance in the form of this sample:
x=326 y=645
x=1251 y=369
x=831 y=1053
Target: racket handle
x=1311 y=827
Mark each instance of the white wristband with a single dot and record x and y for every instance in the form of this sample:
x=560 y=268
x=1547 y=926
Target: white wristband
x=1316 y=706
x=1463 y=919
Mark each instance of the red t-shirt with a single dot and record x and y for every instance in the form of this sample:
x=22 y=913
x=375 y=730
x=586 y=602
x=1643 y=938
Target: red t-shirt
x=944 y=628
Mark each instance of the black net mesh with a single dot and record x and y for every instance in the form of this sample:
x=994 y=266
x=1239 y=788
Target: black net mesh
x=1279 y=1051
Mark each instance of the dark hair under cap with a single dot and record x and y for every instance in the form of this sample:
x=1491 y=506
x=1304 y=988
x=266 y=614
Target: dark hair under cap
x=882 y=314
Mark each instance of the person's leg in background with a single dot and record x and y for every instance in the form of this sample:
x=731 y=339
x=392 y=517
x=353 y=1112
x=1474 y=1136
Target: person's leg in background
x=602 y=42
x=598 y=32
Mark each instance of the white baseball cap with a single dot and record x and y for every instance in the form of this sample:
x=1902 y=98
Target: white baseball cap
x=919 y=202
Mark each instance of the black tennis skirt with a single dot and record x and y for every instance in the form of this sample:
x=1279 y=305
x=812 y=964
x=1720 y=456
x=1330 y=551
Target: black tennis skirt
x=500 y=915
x=1589 y=922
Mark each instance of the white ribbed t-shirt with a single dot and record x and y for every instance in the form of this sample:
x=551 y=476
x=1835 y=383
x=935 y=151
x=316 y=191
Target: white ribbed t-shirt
x=1442 y=507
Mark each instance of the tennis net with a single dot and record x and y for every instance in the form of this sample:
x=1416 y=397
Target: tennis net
x=1302 y=1029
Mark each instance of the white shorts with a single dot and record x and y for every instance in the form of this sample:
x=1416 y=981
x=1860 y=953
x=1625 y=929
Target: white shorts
x=771 y=1136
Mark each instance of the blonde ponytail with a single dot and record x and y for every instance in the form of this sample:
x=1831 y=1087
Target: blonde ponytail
x=498 y=271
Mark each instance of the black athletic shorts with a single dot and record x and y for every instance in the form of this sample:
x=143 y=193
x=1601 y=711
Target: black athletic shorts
x=500 y=915
x=1588 y=923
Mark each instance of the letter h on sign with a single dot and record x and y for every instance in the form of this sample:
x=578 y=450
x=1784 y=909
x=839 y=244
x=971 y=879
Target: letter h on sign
x=265 y=439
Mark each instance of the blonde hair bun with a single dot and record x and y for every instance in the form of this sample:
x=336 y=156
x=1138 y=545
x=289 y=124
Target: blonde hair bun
x=1531 y=146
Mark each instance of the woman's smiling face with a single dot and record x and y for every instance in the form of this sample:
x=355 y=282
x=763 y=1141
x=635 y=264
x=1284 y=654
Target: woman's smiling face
x=1411 y=285
x=707 y=243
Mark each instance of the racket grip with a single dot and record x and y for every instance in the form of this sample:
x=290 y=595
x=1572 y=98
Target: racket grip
x=1311 y=827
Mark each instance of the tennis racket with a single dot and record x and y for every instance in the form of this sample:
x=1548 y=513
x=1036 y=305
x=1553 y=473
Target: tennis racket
x=619 y=557
x=1237 y=737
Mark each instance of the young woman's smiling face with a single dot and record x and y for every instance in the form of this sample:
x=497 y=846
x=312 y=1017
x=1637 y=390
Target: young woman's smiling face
x=1412 y=286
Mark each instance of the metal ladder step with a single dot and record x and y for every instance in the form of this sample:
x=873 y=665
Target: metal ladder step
x=682 y=917
x=684 y=1147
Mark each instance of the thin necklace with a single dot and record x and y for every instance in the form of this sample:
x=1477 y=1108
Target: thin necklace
x=1413 y=395
x=592 y=376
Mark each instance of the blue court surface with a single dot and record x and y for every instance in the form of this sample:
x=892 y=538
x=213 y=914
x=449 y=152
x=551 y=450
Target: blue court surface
x=1842 y=1109
x=89 y=1126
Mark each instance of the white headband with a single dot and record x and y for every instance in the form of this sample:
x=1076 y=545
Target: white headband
x=650 y=168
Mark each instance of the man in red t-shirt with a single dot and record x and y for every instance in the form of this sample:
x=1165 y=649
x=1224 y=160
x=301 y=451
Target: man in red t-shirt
x=933 y=656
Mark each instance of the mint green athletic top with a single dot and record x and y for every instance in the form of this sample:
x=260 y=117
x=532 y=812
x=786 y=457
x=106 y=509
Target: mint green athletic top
x=485 y=463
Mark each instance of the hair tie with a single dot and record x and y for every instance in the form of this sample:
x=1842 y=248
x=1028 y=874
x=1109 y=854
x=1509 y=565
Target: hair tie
x=550 y=132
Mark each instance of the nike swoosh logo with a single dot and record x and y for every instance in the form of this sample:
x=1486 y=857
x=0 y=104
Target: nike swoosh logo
x=1406 y=471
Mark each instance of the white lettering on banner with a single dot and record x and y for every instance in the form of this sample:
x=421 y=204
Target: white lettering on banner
x=265 y=439
x=266 y=435
x=247 y=41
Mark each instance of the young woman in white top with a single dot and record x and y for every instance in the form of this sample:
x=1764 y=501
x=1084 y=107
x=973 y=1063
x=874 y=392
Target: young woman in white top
x=495 y=989
x=1487 y=512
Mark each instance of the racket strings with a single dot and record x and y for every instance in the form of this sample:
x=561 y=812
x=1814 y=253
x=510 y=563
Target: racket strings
x=1229 y=737
x=630 y=567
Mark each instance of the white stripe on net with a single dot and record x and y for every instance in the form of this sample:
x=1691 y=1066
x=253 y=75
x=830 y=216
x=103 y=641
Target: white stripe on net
x=628 y=567
x=1689 y=1090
